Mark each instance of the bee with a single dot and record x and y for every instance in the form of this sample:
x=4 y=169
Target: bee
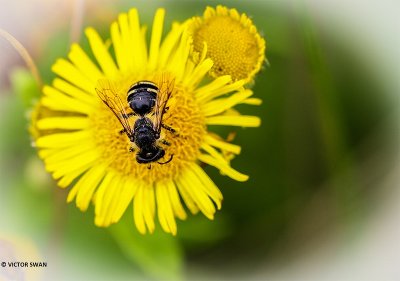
x=144 y=98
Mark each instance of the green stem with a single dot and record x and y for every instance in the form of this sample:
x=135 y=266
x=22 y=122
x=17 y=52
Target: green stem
x=340 y=164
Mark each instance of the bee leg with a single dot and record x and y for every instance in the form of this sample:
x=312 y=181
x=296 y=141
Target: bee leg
x=172 y=130
x=166 y=162
x=128 y=115
x=166 y=127
x=165 y=142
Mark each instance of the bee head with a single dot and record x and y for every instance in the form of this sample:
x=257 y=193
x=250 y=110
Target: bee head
x=148 y=156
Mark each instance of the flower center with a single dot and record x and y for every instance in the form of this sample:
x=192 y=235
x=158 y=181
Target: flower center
x=232 y=47
x=183 y=115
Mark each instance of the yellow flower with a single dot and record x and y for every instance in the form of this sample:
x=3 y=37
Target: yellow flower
x=82 y=146
x=232 y=42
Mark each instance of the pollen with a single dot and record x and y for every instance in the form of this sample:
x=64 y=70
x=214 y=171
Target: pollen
x=231 y=40
x=183 y=115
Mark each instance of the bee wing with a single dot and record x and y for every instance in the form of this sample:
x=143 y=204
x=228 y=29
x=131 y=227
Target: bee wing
x=166 y=86
x=110 y=97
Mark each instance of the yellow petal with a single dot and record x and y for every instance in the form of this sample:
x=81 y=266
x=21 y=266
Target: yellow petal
x=111 y=200
x=234 y=120
x=220 y=105
x=194 y=78
x=191 y=186
x=67 y=179
x=215 y=86
x=149 y=208
x=86 y=186
x=211 y=140
x=165 y=212
x=180 y=57
x=207 y=185
x=175 y=200
x=56 y=100
x=63 y=139
x=72 y=123
x=70 y=73
x=82 y=161
x=84 y=63
x=253 y=101
x=67 y=88
x=207 y=93
x=59 y=155
x=169 y=44
x=101 y=53
x=156 y=34
x=189 y=201
x=105 y=195
x=128 y=190
x=223 y=167
x=139 y=48
x=119 y=47
x=214 y=153
x=138 y=206
x=105 y=186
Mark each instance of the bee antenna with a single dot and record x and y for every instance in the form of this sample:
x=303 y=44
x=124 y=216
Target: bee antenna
x=166 y=162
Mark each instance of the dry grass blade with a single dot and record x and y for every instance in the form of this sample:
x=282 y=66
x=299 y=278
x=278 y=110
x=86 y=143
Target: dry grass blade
x=24 y=54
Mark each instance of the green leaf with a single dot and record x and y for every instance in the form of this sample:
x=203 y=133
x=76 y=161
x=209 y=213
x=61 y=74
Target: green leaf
x=159 y=254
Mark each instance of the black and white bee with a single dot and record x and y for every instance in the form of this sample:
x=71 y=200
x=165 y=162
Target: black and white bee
x=145 y=99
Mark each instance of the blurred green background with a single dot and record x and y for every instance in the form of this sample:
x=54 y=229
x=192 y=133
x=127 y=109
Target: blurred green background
x=316 y=164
